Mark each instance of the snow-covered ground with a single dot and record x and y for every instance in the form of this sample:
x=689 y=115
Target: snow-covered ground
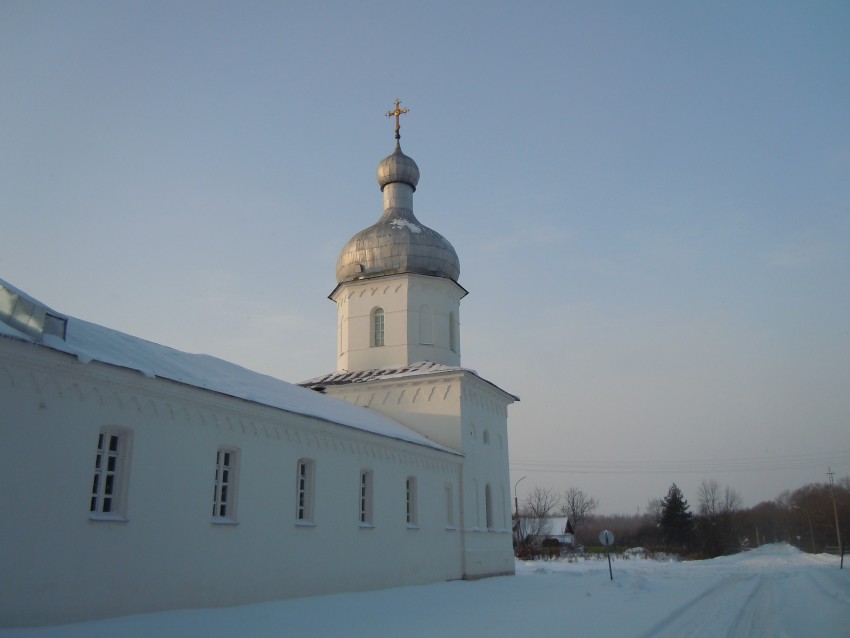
x=773 y=591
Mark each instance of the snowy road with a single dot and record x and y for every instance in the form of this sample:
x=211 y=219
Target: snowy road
x=769 y=605
x=773 y=591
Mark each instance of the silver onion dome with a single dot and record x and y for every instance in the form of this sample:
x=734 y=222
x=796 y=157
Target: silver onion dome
x=398 y=242
x=397 y=167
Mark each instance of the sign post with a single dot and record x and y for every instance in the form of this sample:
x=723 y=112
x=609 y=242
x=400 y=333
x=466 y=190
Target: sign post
x=607 y=539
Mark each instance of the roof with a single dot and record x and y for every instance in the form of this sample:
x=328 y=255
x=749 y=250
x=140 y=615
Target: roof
x=557 y=526
x=23 y=318
x=417 y=369
x=398 y=242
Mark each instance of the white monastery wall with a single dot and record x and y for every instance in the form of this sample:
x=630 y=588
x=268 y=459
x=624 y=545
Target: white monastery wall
x=461 y=411
x=61 y=563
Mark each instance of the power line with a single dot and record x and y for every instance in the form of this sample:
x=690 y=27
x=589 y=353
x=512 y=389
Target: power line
x=686 y=466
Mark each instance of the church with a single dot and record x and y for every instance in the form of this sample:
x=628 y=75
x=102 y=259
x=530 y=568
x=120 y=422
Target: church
x=140 y=478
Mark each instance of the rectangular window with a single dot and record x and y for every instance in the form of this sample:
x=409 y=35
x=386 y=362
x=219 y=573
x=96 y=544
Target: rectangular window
x=304 y=497
x=450 y=507
x=488 y=505
x=108 y=493
x=224 y=490
x=366 y=497
x=410 y=500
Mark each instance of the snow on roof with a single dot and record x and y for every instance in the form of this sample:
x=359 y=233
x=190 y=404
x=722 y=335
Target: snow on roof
x=91 y=342
x=397 y=372
x=557 y=526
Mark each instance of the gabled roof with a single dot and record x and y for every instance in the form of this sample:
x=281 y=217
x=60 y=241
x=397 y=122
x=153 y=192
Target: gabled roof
x=558 y=526
x=420 y=368
x=24 y=318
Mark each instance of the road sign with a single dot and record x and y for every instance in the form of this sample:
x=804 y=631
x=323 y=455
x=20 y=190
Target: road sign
x=606 y=538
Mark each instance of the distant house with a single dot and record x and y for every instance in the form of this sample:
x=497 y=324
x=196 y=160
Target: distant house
x=556 y=528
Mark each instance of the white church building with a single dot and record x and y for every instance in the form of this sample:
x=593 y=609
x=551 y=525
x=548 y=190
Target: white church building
x=139 y=478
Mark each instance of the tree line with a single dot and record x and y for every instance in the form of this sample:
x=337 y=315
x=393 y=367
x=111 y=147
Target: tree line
x=809 y=518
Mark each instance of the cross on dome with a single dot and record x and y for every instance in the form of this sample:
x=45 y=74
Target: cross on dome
x=397 y=112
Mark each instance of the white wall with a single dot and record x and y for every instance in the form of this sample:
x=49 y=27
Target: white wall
x=456 y=409
x=401 y=297
x=61 y=566
x=485 y=447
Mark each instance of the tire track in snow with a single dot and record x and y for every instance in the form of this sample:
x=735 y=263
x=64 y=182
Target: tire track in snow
x=836 y=589
x=758 y=612
x=738 y=605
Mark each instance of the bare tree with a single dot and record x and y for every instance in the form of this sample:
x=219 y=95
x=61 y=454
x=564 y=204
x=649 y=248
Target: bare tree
x=709 y=498
x=732 y=500
x=537 y=507
x=653 y=509
x=713 y=502
x=716 y=524
x=578 y=507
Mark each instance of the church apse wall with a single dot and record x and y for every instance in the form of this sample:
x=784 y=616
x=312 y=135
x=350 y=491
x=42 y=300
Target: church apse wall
x=459 y=410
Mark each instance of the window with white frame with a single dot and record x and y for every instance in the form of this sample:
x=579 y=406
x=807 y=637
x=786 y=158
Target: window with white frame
x=378 y=327
x=366 y=497
x=305 y=490
x=111 y=469
x=410 y=501
x=224 y=490
x=488 y=505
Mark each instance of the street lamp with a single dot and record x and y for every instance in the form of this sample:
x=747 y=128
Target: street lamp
x=811 y=529
x=516 y=507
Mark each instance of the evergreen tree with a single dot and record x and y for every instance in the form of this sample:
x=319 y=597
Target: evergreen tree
x=676 y=520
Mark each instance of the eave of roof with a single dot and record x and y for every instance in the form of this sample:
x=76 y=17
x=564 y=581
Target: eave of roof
x=414 y=370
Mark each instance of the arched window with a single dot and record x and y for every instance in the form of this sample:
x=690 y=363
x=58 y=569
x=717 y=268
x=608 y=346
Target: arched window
x=488 y=505
x=378 y=327
x=503 y=519
x=340 y=345
x=477 y=504
x=452 y=333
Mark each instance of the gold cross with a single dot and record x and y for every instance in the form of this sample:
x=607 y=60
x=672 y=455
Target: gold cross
x=397 y=112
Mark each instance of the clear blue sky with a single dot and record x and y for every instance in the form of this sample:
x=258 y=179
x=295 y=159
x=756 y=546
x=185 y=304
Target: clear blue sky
x=650 y=201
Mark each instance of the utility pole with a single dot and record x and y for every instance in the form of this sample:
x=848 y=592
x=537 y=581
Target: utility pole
x=830 y=474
